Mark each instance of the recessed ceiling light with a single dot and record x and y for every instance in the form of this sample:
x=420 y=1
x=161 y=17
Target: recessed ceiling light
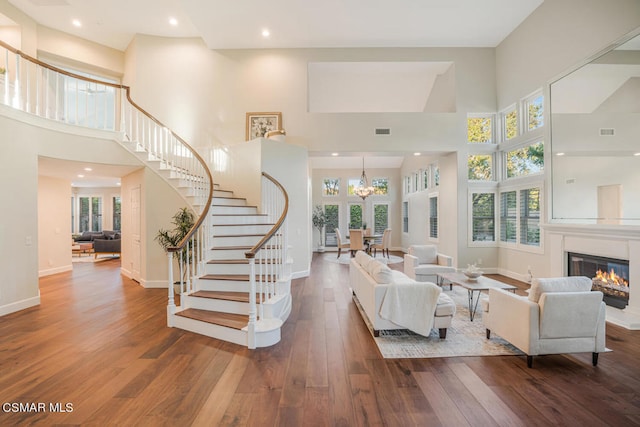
x=636 y=154
x=118 y=184
x=76 y=23
x=416 y=154
x=266 y=33
x=559 y=154
x=88 y=169
x=335 y=154
x=80 y=175
x=173 y=21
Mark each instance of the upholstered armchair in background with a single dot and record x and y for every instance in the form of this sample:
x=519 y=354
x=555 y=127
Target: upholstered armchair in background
x=423 y=263
x=560 y=315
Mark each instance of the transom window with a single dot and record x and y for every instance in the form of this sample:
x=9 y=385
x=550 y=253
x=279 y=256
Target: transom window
x=525 y=161
x=480 y=167
x=480 y=129
x=331 y=187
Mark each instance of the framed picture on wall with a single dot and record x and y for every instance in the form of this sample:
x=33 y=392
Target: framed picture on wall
x=258 y=124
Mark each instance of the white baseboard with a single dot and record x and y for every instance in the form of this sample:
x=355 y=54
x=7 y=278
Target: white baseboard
x=521 y=277
x=153 y=284
x=19 y=305
x=50 y=271
x=300 y=274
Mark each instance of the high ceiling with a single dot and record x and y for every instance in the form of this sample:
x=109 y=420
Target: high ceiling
x=224 y=24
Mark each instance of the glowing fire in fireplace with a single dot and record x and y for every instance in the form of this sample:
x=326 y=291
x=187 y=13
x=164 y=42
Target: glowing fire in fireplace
x=610 y=282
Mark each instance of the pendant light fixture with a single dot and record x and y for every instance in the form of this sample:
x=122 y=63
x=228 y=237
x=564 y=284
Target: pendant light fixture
x=363 y=190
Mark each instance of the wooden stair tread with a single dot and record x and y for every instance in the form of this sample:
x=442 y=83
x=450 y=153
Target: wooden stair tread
x=238 y=277
x=230 y=320
x=243 y=261
x=223 y=295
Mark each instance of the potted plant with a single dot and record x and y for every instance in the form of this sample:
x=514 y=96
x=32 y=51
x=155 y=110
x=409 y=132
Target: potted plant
x=182 y=221
x=319 y=220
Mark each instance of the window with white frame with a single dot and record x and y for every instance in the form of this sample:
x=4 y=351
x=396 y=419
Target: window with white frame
x=353 y=183
x=480 y=128
x=509 y=122
x=117 y=213
x=425 y=179
x=525 y=161
x=90 y=213
x=380 y=217
x=436 y=174
x=508 y=216
x=433 y=217
x=530 y=217
x=405 y=217
x=332 y=212
x=480 y=167
x=355 y=215
x=380 y=186
x=534 y=110
x=483 y=217
x=331 y=187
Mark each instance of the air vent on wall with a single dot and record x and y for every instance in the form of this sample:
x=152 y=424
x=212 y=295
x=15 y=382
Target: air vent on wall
x=383 y=131
x=607 y=132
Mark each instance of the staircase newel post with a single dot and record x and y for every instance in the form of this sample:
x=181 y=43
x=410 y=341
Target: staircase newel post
x=251 y=327
x=171 y=307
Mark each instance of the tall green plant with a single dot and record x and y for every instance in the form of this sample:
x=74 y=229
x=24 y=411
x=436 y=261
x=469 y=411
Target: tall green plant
x=319 y=219
x=182 y=221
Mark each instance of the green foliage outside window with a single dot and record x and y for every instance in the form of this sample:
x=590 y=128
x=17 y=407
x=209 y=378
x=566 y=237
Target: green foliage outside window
x=479 y=129
x=536 y=112
x=479 y=167
x=355 y=216
x=331 y=187
x=380 y=186
x=526 y=160
x=511 y=124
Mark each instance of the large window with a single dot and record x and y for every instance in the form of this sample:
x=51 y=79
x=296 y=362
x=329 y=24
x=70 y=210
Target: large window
x=525 y=161
x=534 y=106
x=480 y=167
x=405 y=217
x=90 y=214
x=355 y=215
x=480 y=129
x=380 y=186
x=380 y=217
x=530 y=217
x=509 y=123
x=332 y=213
x=508 y=217
x=483 y=218
x=117 y=213
x=433 y=217
x=331 y=187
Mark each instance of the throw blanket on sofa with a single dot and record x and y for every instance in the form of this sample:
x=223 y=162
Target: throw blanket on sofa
x=411 y=305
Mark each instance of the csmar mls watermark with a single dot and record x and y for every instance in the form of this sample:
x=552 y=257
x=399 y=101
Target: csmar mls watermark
x=37 y=407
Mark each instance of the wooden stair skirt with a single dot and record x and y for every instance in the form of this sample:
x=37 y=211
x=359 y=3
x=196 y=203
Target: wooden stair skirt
x=229 y=327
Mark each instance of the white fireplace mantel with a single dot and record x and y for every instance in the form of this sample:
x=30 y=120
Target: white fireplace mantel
x=612 y=241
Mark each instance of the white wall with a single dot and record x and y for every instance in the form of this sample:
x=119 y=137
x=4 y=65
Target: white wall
x=54 y=225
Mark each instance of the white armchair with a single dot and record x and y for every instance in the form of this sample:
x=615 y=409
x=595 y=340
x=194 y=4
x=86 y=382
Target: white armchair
x=423 y=263
x=560 y=315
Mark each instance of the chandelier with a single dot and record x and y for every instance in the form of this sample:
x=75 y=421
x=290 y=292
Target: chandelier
x=363 y=189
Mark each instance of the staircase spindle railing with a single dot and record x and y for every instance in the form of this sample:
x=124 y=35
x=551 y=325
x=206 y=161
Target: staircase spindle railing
x=43 y=90
x=269 y=253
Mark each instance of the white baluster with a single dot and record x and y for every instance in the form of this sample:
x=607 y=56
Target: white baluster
x=251 y=327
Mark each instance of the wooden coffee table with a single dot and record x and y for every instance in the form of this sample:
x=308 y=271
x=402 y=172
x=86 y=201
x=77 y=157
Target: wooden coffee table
x=474 y=285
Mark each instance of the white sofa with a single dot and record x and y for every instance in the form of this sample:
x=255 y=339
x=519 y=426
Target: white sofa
x=370 y=293
x=423 y=263
x=560 y=315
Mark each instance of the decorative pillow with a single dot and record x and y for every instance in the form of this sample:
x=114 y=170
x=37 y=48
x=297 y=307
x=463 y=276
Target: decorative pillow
x=426 y=254
x=117 y=236
x=380 y=272
x=558 y=284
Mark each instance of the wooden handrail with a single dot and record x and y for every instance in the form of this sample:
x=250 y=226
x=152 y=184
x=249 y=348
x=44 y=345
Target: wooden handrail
x=252 y=252
x=127 y=90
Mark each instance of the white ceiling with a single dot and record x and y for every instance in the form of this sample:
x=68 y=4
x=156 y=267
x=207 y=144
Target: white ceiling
x=100 y=175
x=227 y=24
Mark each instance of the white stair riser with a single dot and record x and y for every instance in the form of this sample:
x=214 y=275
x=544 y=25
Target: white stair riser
x=222 y=193
x=241 y=229
x=212 y=304
x=214 y=331
x=237 y=268
x=238 y=254
x=233 y=210
x=229 y=202
x=250 y=240
x=239 y=219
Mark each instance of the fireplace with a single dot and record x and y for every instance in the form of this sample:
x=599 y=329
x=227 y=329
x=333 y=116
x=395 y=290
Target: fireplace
x=609 y=275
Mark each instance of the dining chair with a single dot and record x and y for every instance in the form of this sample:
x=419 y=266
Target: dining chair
x=356 y=240
x=341 y=244
x=384 y=244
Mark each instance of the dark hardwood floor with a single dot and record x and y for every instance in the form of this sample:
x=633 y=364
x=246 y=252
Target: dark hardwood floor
x=99 y=343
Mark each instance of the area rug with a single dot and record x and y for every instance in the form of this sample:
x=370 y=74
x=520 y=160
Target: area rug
x=464 y=338
x=346 y=257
